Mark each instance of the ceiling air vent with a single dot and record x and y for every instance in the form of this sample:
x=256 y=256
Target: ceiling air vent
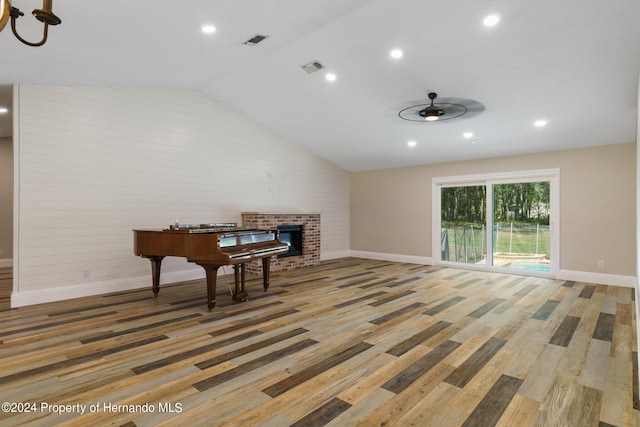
x=312 y=67
x=255 y=40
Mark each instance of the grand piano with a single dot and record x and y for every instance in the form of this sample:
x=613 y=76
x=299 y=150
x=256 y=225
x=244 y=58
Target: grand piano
x=210 y=246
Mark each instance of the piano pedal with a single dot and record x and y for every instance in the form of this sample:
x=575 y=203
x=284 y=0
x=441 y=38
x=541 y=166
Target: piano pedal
x=241 y=297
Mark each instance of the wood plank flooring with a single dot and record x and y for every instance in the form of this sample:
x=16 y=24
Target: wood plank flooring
x=351 y=342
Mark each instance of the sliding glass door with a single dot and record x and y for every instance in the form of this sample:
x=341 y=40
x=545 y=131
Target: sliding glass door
x=519 y=211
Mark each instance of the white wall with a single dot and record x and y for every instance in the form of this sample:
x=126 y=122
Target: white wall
x=96 y=162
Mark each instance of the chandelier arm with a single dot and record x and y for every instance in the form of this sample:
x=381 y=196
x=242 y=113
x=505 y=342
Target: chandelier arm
x=5 y=13
x=15 y=13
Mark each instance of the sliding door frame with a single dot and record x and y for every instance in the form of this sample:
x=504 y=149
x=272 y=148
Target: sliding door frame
x=488 y=180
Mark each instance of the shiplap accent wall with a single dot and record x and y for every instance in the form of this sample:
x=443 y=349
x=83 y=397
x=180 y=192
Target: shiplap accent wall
x=96 y=162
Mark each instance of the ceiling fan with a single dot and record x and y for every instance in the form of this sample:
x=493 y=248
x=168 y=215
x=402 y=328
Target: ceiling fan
x=444 y=109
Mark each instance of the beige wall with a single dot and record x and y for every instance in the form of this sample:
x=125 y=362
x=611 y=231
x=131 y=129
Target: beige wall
x=6 y=198
x=391 y=209
x=637 y=218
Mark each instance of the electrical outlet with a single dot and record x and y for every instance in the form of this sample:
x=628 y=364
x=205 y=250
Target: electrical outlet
x=601 y=263
x=1 y=252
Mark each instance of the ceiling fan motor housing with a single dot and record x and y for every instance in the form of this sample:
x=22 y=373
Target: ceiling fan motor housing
x=430 y=111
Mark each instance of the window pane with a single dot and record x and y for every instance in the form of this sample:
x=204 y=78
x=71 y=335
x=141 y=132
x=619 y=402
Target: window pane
x=521 y=237
x=463 y=218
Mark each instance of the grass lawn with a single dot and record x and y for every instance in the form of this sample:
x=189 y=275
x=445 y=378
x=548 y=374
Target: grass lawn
x=467 y=243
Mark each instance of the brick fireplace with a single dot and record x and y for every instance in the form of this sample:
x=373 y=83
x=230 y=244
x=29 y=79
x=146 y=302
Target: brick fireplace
x=310 y=239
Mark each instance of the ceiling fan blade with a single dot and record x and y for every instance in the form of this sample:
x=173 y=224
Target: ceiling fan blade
x=470 y=104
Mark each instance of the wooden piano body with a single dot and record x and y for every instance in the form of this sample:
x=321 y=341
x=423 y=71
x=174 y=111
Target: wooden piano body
x=210 y=246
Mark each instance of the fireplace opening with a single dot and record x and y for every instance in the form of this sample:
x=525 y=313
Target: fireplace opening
x=292 y=236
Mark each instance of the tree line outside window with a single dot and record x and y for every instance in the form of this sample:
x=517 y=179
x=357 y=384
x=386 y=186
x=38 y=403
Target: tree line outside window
x=526 y=202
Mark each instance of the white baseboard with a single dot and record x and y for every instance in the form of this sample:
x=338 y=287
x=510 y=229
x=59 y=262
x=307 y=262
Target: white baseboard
x=6 y=262
x=21 y=299
x=578 y=276
x=598 y=278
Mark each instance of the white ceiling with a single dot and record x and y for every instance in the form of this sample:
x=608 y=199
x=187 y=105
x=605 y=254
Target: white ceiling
x=575 y=63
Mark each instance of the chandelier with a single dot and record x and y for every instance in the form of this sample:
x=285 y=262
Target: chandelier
x=44 y=15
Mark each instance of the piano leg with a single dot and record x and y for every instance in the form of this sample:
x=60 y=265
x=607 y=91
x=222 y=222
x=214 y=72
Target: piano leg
x=156 y=262
x=243 y=275
x=265 y=272
x=212 y=276
x=239 y=294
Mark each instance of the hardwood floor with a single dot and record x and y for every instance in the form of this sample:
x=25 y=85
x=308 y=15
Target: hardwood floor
x=350 y=342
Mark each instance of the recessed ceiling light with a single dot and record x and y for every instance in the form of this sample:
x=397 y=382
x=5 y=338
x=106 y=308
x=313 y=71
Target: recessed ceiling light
x=396 y=53
x=491 y=20
x=208 y=29
x=330 y=76
x=468 y=135
x=540 y=123
x=412 y=143
x=4 y=110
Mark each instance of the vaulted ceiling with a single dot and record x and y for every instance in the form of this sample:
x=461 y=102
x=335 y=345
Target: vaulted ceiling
x=573 y=63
